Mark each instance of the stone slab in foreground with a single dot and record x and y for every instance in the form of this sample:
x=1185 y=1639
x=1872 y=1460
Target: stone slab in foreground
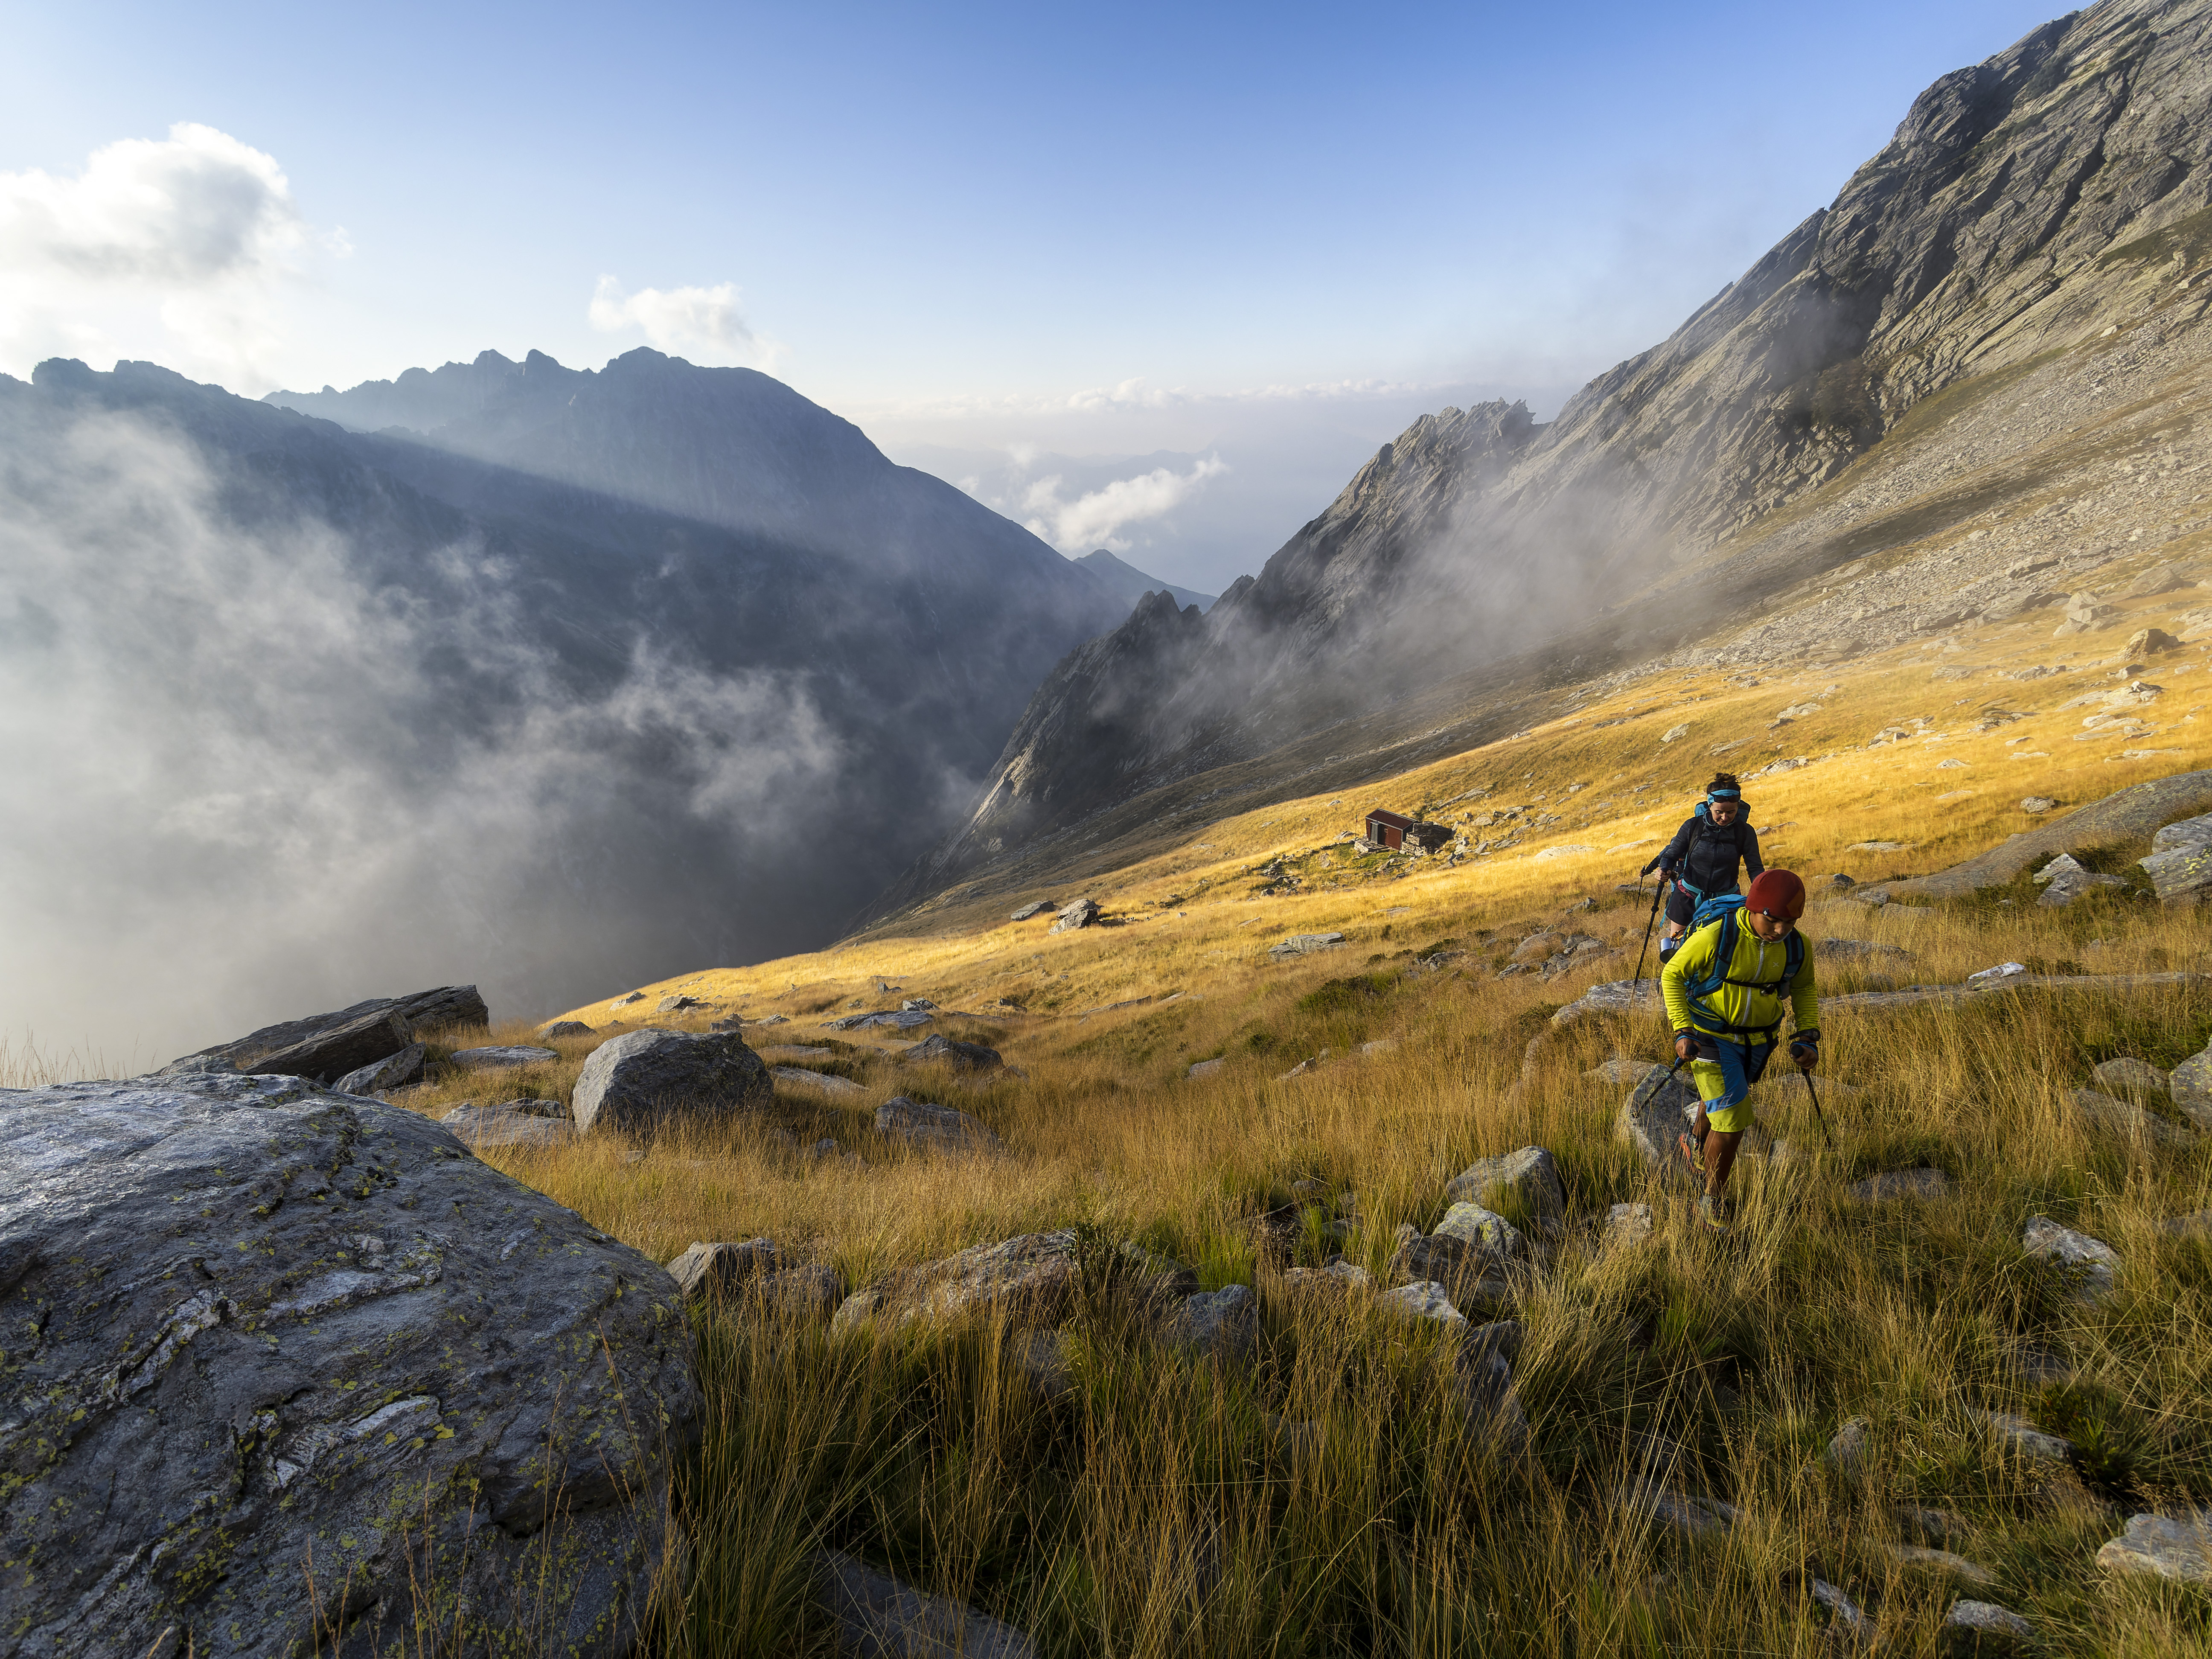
x=252 y=1324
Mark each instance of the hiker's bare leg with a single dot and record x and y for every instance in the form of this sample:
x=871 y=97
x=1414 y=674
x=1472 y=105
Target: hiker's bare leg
x=1720 y=1156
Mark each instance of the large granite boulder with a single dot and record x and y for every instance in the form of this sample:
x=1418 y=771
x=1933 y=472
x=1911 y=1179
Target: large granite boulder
x=314 y=1047
x=642 y=1082
x=280 y=1360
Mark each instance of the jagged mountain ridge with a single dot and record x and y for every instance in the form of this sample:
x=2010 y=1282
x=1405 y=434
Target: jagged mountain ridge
x=1985 y=239
x=701 y=738
x=1129 y=585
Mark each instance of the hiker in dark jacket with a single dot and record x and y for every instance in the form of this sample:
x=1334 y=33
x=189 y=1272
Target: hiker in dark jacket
x=1702 y=859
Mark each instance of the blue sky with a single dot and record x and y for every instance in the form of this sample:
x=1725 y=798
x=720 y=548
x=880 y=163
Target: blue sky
x=1268 y=235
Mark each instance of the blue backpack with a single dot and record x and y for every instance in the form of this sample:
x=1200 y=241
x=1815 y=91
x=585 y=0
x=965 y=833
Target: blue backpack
x=1728 y=909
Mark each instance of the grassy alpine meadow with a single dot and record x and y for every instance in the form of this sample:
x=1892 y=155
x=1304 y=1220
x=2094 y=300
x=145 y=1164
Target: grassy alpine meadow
x=1331 y=1495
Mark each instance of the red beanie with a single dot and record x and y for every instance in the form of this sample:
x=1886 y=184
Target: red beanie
x=1778 y=892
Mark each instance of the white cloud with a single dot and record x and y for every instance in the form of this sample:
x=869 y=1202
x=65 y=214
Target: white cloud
x=1092 y=519
x=174 y=246
x=702 y=324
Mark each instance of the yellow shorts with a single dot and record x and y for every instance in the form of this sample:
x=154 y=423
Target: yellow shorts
x=1725 y=1083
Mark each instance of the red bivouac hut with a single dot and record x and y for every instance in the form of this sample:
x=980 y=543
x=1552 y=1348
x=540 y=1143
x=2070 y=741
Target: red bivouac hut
x=1388 y=829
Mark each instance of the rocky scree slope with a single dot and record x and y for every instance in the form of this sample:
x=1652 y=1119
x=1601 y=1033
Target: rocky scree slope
x=2028 y=209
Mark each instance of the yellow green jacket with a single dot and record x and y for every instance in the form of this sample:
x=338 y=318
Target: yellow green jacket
x=1755 y=960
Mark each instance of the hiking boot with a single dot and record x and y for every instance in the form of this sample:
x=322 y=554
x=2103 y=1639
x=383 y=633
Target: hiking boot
x=1709 y=1212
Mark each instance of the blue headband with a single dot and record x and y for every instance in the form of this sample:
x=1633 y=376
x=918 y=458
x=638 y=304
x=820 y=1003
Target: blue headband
x=1723 y=795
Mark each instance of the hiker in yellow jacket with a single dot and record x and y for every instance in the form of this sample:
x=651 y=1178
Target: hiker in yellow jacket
x=1726 y=1012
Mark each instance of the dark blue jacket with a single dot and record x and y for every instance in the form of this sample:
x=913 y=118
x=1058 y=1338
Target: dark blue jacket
x=1706 y=856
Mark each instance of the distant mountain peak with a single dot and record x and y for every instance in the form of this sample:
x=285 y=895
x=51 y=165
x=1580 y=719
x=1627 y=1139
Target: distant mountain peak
x=1128 y=584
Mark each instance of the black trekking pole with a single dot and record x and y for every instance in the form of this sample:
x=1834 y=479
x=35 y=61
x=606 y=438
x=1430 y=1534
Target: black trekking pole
x=1819 y=1117
x=1650 y=922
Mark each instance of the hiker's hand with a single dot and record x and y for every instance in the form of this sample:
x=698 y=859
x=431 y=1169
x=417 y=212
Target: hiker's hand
x=1807 y=1054
x=1685 y=1046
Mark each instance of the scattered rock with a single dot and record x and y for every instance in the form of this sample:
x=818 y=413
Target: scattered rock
x=935 y=1129
x=625 y=1001
x=1424 y=1299
x=2145 y=640
x=1628 y=1223
x=1988 y=1618
x=2127 y=1119
x=2132 y=1080
x=1222 y=1324
x=1032 y=1278
x=1861 y=949
x=1035 y=907
x=1529 y=1177
x=2037 y=804
x=1847 y=1447
x=1619 y=996
x=828 y=1082
x=904 y=1020
x=502 y=1059
x=2196 y=1223
x=715 y=1269
x=1939 y=1524
x=2161 y=1546
x=1622 y=1074
x=644 y=1080
x=677 y=1003
x=1845 y=1611
x=1841 y=883
x=1653 y=1114
x=1299 y=944
x=564 y=1028
x=1894 y=1184
x=1080 y=913
x=810 y=1291
x=1915 y=1555
x=393 y=1072
x=2180 y=861
x=2191 y=1087
x=2016 y=1435
x=880 y=1618
x=1700 y=1518
x=1042 y=1359
x=1483 y=1229
x=1674 y=735
x=1204 y=1067
x=516 y=1123
x=206 y=1415
x=2065 y=879
x=961 y=1056
x=2096 y=1262
x=2004 y=970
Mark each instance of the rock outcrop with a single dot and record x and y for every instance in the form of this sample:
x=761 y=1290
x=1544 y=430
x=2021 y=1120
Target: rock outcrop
x=358 y=1037
x=278 y=1349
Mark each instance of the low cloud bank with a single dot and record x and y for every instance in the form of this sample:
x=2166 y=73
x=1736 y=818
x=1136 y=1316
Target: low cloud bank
x=255 y=774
